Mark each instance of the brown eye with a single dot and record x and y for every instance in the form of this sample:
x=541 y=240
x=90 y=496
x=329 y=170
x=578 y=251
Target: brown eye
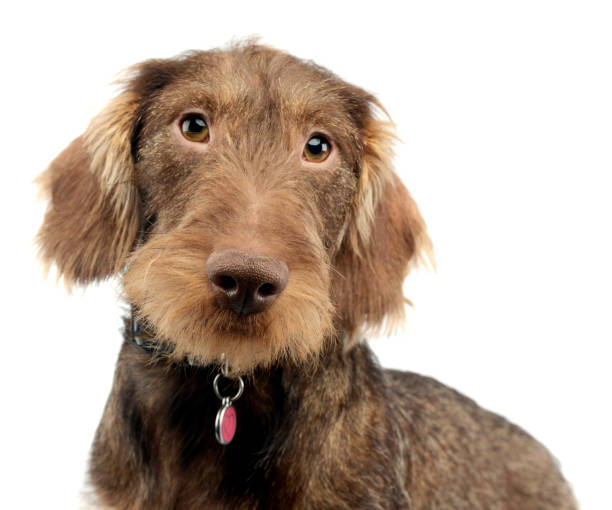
x=194 y=128
x=317 y=149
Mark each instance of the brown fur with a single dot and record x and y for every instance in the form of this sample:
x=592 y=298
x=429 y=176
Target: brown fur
x=321 y=425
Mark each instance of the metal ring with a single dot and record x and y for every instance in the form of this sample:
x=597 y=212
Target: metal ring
x=225 y=367
x=238 y=393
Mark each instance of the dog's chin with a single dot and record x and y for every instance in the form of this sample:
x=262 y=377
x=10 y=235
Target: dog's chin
x=246 y=342
x=226 y=322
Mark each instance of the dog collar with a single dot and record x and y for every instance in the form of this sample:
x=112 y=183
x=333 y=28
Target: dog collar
x=226 y=419
x=144 y=341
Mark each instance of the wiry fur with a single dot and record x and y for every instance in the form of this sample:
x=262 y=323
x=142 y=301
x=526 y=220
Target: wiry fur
x=321 y=425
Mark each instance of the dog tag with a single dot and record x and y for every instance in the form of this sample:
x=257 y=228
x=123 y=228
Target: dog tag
x=225 y=423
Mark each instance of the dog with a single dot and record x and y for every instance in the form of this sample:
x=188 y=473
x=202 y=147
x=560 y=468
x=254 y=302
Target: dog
x=246 y=200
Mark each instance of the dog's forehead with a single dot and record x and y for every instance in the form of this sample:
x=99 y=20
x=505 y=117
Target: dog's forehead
x=263 y=83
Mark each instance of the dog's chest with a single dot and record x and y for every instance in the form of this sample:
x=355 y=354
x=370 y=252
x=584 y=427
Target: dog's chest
x=297 y=445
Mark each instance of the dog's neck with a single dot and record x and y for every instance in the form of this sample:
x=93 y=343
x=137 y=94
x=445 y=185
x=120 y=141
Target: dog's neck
x=160 y=419
x=262 y=385
x=224 y=383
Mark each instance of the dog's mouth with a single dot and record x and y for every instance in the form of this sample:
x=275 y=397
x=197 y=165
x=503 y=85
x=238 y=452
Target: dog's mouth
x=222 y=321
x=240 y=324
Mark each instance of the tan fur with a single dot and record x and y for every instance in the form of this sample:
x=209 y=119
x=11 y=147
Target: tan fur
x=108 y=142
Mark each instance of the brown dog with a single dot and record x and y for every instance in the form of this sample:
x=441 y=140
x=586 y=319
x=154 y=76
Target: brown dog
x=246 y=199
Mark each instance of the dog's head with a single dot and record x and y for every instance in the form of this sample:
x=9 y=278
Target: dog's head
x=246 y=199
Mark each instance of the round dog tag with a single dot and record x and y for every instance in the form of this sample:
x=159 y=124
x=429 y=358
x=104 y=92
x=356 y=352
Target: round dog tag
x=225 y=424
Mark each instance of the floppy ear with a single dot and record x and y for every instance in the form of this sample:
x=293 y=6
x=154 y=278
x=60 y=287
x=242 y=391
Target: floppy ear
x=93 y=216
x=385 y=238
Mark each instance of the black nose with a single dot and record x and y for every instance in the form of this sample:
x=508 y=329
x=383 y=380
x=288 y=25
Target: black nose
x=244 y=282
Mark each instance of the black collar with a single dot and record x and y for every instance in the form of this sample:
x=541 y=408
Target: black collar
x=143 y=338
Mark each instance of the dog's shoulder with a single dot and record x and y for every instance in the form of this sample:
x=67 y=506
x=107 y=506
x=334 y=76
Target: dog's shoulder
x=452 y=438
x=430 y=408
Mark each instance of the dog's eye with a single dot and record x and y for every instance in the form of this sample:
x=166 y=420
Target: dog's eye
x=317 y=149
x=194 y=128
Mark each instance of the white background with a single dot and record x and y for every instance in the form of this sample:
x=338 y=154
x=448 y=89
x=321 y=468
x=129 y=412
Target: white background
x=505 y=111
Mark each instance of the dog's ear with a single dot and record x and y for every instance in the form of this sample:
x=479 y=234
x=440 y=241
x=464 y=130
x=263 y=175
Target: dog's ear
x=93 y=213
x=385 y=237
x=92 y=217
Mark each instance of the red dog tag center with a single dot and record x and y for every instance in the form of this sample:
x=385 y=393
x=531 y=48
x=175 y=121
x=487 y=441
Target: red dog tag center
x=228 y=424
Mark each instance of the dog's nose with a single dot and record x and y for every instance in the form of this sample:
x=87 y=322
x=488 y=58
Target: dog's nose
x=244 y=282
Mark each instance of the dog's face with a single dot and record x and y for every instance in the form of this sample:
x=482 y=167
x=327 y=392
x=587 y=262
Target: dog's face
x=246 y=199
